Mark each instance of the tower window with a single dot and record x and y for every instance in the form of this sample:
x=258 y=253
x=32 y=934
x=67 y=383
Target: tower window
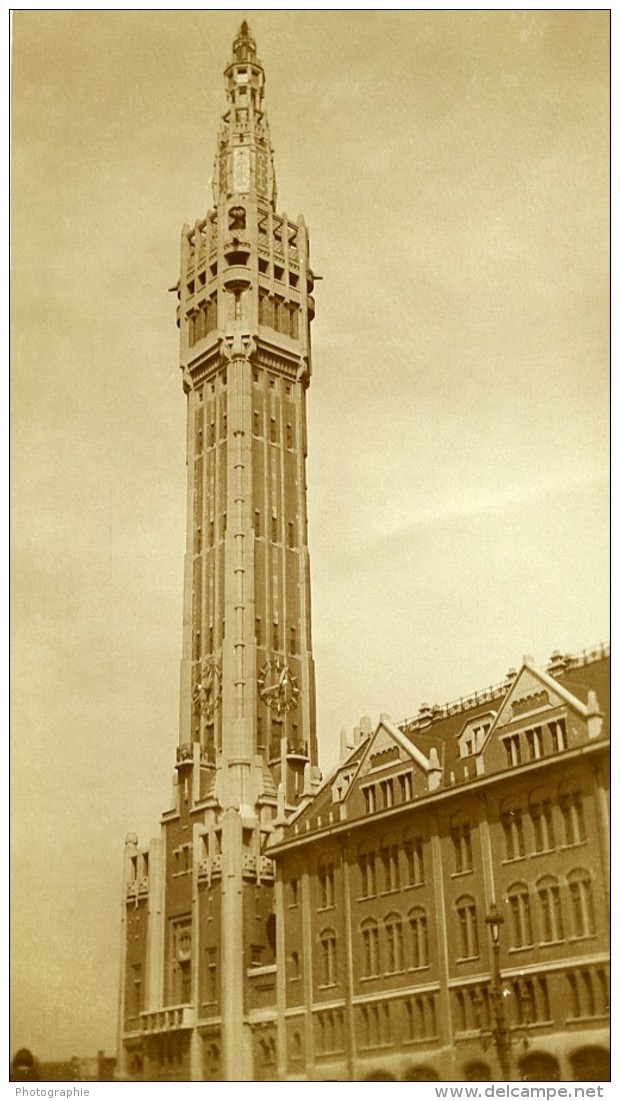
x=273 y=436
x=291 y=533
x=256 y=423
x=294 y=323
x=289 y=436
x=257 y=522
x=274 y=529
x=275 y=635
x=258 y=630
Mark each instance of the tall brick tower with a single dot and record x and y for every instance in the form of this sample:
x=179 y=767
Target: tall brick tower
x=198 y=960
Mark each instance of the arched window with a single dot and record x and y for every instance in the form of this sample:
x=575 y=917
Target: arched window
x=267 y=1051
x=520 y=915
x=296 y=1046
x=460 y=832
x=573 y=820
x=327 y=941
x=394 y=940
x=582 y=902
x=538 y=1066
x=468 y=927
x=540 y=808
x=325 y=876
x=368 y=870
x=511 y=815
x=370 y=944
x=552 y=926
x=418 y=924
x=295 y=967
x=389 y=860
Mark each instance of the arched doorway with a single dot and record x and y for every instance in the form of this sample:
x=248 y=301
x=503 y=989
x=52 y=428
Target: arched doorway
x=421 y=1073
x=478 y=1072
x=379 y=1076
x=591 y=1064
x=539 y=1066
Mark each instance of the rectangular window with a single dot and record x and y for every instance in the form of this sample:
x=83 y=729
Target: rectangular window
x=294 y=322
x=534 y=743
x=256 y=423
x=137 y=989
x=274 y=529
x=406 y=787
x=369 y=799
x=273 y=435
x=211 y=975
x=387 y=793
x=275 y=635
x=291 y=533
x=512 y=748
x=289 y=436
x=292 y=640
x=257 y=522
x=557 y=730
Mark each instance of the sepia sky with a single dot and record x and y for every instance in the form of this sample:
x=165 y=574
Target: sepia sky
x=453 y=169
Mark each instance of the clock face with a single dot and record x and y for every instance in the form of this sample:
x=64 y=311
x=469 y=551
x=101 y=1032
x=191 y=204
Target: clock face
x=277 y=686
x=208 y=689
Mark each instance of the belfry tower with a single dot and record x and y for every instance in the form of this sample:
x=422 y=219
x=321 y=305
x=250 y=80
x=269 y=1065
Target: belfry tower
x=198 y=928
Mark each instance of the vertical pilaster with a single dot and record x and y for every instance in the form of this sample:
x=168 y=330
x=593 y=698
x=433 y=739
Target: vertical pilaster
x=280 y=977
x=131 y=849
x=236 y=1037
x=306 y=903
x=445 y=1009
x=155 y=929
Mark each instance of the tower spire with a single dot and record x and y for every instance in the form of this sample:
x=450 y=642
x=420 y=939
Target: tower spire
x=244 y=158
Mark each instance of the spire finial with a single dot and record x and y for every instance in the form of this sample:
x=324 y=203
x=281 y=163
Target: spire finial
x=244 y=46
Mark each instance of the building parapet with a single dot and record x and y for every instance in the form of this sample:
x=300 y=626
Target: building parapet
x=558 y=664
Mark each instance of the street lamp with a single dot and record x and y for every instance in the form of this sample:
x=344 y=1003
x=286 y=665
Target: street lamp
x=500 y=1034
x=494 y=921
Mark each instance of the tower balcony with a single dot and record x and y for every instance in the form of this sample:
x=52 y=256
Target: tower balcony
x=237 y=277
x=168 y=1020
x=236 y=251
x=298 y=752
x=185 y=755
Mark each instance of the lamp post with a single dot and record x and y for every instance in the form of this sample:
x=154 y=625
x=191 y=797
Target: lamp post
x=501 y=1035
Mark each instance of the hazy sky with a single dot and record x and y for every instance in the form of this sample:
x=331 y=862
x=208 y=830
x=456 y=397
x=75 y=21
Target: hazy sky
x=452 y=167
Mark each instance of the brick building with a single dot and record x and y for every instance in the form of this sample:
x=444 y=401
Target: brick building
x=385 y=877
x=384 y=872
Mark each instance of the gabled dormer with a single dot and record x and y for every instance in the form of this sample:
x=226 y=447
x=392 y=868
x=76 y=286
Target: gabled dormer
x=538 y=718
x=392 y=771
